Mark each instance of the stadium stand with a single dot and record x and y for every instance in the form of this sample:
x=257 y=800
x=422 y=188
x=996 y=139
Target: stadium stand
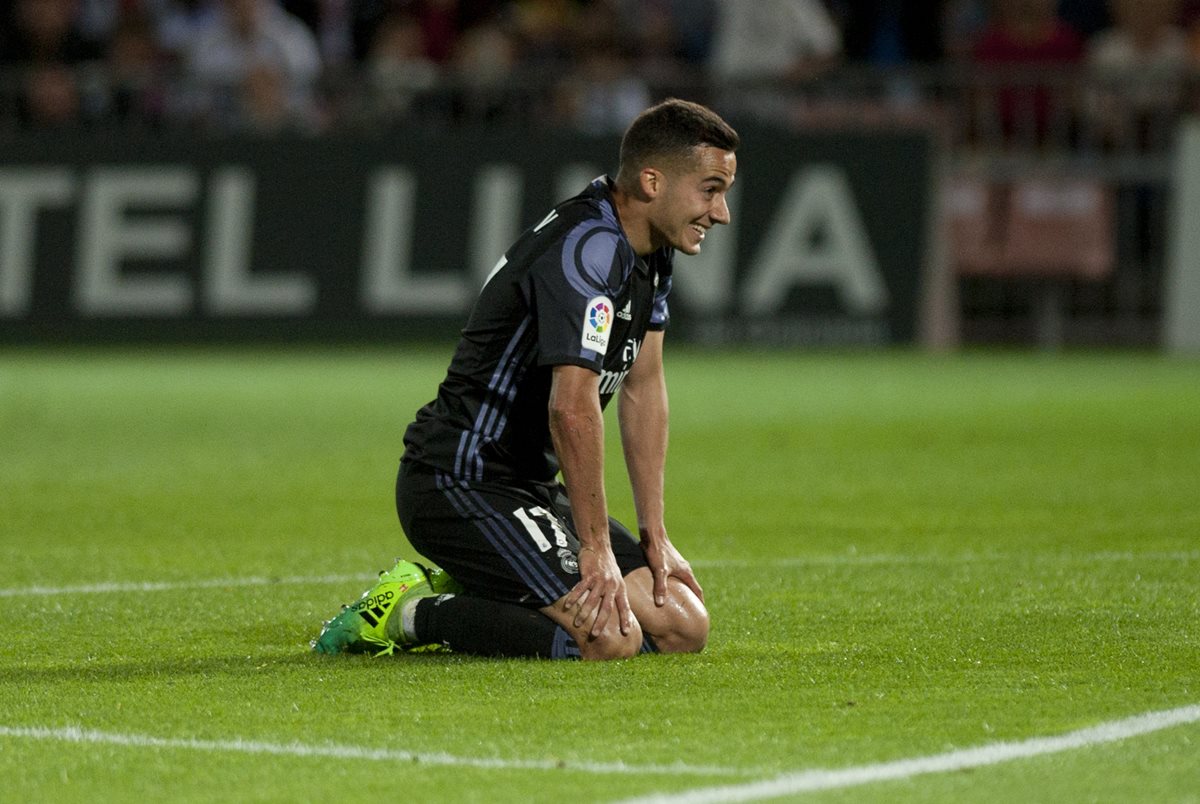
x=1071 y=106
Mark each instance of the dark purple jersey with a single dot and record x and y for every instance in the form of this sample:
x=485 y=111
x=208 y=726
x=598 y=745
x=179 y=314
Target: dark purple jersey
x=569 y=291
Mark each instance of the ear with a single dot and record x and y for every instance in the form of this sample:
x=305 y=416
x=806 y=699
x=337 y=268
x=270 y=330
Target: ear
x=650 y=181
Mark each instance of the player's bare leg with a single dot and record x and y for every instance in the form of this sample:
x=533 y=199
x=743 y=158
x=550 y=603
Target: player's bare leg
x=610 y=643
x=680 y=625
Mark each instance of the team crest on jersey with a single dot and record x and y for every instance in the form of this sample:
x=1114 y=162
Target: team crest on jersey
x=568 y=560
x=597 y=324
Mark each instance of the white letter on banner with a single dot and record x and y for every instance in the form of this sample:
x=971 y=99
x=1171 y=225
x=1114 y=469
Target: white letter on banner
x=573 y=179
x=229 y=286
x=817 y=199
x=22 y=192
x=1181 y=299
x=389 y=284
x=496 y=219
x=108 y=237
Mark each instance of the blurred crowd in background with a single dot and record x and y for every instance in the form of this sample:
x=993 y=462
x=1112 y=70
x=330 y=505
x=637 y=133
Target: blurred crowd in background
x=317 y=65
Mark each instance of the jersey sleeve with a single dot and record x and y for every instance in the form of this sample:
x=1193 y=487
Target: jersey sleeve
x=572 y=296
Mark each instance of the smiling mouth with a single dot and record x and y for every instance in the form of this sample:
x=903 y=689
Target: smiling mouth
x=700 y=230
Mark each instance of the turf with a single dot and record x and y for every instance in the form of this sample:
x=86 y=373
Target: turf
x=903 y=555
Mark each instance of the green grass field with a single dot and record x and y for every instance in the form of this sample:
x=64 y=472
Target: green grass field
x=904 y=556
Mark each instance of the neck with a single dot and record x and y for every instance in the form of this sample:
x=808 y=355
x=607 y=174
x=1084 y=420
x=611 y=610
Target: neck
x=631 y=212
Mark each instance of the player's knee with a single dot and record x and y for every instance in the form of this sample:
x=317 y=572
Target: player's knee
x=686 y=629
x=612 y=644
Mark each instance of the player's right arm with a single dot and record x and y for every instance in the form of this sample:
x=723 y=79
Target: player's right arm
x=577 y=431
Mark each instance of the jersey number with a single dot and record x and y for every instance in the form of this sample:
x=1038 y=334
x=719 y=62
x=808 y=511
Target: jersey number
x=529 y=517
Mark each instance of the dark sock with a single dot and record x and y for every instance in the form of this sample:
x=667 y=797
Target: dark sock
x=487 y=628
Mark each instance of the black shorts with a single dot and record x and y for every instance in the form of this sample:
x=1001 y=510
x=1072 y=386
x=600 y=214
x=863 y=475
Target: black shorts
x=512 y=542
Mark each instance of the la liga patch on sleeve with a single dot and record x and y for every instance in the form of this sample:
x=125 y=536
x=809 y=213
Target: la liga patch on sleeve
x=597 y=324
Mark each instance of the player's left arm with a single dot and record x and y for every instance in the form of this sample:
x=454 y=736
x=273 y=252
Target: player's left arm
x=643 y=415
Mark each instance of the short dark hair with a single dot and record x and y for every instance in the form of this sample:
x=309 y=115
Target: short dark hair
x=671 y=130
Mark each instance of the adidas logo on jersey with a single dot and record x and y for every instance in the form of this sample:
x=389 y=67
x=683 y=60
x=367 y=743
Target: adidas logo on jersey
x=625 y=314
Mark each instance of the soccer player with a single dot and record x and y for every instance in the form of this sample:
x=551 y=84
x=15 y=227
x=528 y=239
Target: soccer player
x=572 y=315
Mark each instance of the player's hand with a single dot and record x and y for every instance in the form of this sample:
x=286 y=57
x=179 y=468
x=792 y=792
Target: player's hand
x=600 y=592
x=666 y=562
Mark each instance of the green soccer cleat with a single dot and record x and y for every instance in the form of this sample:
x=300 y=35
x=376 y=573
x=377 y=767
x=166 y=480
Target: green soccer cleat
x=441 y=582
x=362 y=626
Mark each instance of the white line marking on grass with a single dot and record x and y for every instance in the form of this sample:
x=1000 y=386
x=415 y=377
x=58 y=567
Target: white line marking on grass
x=866 y=559
x=1179 y=555
x=171 y=586
x=75 y=734
x=829 y=779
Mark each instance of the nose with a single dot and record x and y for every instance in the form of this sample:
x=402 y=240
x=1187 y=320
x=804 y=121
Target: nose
x=720 y=210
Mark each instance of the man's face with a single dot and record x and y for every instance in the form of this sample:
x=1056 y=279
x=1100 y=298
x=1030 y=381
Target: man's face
x=691 y=199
